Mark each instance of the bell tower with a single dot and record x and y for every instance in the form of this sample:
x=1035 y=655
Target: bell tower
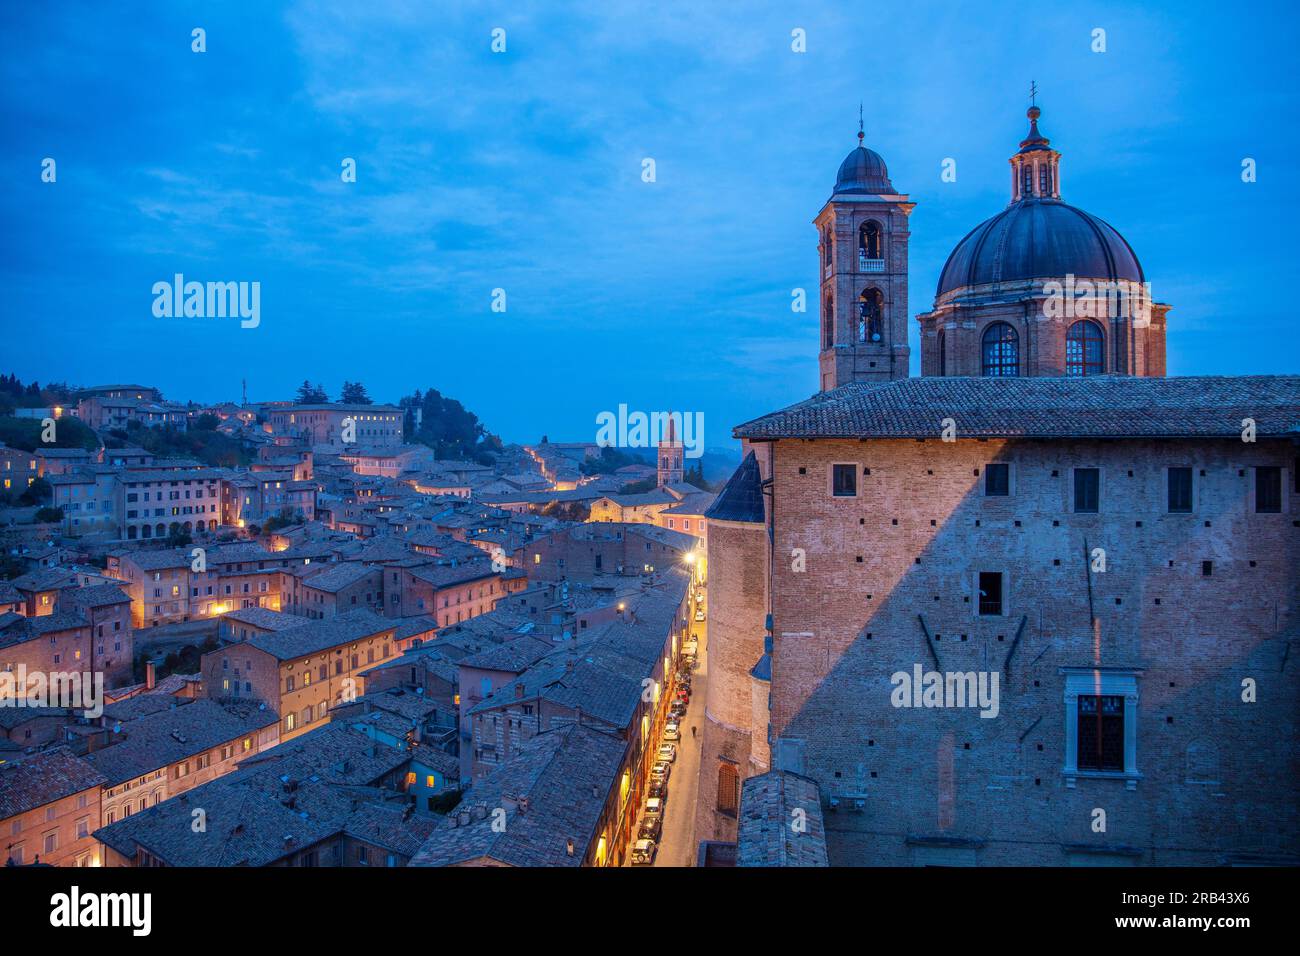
x=863 y=266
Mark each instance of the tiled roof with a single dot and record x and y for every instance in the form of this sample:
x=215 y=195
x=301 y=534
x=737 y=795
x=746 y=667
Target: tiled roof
x=1094 y=406
x=566 y=775
x=264 y=618
x=768 y=805
x=741 y=498
x=43 y=778
x=314 y=636
x=512 y=656
x=173 y=734
x=100 y=595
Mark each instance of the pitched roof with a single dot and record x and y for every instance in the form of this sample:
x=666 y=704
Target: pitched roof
x=314 y=636
x=43 y=778
x=741 y=498
x=1100 y=406
x=765 y=837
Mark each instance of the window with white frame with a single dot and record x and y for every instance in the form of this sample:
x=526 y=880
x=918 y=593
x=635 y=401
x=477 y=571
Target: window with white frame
x=1101 y=724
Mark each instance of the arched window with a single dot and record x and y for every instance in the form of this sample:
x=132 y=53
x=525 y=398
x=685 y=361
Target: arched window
x=871 y=326
x=1084 y=354
x=728 y=789
x=828 y=322
x=1001 y=351
x=869 y=244
x=827 y=246
x=1029 y=180
x=1044 y=180
x=943 y=353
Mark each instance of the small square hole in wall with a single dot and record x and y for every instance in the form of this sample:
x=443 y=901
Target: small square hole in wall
x=803 y=471
x=838 y=774
x=895 y=521
x=859 y=559
x=1119 y=600
x=1130 y=472
x=976 y=472
x=932 y=523
x=1207 y=524
x=929 y=471
x=873 y=774
x=1056 y=524
x=1171 y=683
x=1241 y=472
x=1002 y=637
x=868 y=597
x=1056 y=561
x=1157 y=600
x=963 y=637
x=966 y=745
x=869 y=635
x=1017 y=524
x=918 y=560
x=938 y=637
x=1055 y=473
x=1038 y=782
x=936 y=597
x=1207 y=568
x=977 y=522
x=1202 y=472
x=866 y=471
x=1169 y=720
x=966 y=600
x=1139 y=524
x=1252 y=564
x=862 y=521
x=871 y=743
x=1040 y=747
x=1171 y=564
x=873 y=365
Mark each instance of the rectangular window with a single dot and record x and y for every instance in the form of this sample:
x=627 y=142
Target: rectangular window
x=990 y=584
x=1180 y=491
x=1087 y=490
x=1268 y=490
x=844 y=481
x=997 y=480
x=1101 y=733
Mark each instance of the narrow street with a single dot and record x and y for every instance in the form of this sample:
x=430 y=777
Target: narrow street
x=677 y=845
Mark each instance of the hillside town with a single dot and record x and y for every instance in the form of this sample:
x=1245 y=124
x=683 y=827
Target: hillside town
x=292 y=633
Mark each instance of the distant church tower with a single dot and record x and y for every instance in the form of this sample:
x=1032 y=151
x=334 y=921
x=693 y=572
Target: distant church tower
x=863 y=268
x=670 y=454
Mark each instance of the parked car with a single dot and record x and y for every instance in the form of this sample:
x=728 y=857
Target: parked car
x=672 y=731
x=654 y=808
x=684 y=695
x=643 y=852
x=678 y=710
x=650 y=829
x=662 y=768
x=699 y=614
x=658 y=787
x=690 y=648
x=667 y=753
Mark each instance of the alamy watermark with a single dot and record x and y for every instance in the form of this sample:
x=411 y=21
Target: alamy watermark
x=73 y=690
x=1093 y=299
x=208 y=300
x=640 y=430
x=922 y=688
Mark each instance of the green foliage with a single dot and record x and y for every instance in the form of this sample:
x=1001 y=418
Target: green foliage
x=49 y=515
x=39 y=492
x=25 y=433
x=286 y=518
x=567 y=510
x=309 y=394
x=207 y=422
x=209 y=447
x=450 y=429
x=607 y=462
x=354 y=393
x=639 y=487
x=694 y=475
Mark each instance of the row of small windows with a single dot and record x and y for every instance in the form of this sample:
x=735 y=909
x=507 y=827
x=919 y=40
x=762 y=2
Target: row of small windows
x=1087 y=487
x=1000 y=350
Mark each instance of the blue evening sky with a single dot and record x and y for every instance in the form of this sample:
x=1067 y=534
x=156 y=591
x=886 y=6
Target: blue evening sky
x=522 y=171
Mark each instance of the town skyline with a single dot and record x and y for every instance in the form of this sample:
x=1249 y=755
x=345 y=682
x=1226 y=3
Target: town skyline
x=473 y=172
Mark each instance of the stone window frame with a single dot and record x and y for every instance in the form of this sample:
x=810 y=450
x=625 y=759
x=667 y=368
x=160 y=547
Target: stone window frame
x=1105 y=682
x=975 y=592
x=1011 y=479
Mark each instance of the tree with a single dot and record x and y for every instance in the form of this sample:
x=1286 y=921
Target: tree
x=354 y=393
x=639 y=487
x=309 y=394
x=49 y=515
x=38 y=492
x=450 y=429
x=207 y=422
x=694 y=475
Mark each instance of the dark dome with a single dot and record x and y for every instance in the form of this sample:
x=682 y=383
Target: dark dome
x=1039 y=239
x=863 y=171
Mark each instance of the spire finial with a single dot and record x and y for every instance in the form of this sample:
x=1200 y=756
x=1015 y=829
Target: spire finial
x=861 y=129
x=1033 y=93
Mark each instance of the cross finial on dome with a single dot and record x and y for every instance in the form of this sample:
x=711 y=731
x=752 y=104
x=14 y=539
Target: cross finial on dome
x=861 y=129
x=1033 y=92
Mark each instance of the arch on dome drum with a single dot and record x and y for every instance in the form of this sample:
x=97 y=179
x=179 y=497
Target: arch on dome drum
x=943 y=353
x=871 y=312
x=871 y=241
x=1000 y=351
x=1085 y=349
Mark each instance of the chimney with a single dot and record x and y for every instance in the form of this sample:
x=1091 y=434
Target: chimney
x=150 y=675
